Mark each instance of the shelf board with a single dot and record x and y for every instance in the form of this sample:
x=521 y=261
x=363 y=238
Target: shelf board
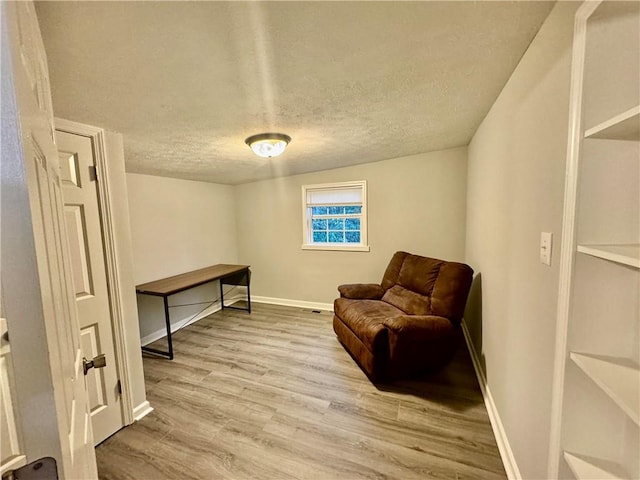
x=624 y=254
x=617 y=377
x=625 y=126
x=594 y=468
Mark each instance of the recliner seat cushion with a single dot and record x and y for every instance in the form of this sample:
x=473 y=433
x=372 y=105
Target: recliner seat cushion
x=408 y=301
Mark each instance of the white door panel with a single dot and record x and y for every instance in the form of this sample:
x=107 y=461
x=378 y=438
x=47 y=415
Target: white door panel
x=60 y=315
x=76 y=227
x=82 y=216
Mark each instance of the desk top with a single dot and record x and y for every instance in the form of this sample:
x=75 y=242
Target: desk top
x=178 y=283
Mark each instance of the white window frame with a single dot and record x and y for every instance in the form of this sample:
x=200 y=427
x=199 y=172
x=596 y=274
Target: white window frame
x=307 y=239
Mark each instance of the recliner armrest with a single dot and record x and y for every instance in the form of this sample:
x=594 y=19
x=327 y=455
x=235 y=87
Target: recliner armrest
x=418 y=325
x=361 y=291
x=420 y=342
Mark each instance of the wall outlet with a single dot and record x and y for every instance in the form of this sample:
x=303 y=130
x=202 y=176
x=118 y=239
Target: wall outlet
x=546 y=241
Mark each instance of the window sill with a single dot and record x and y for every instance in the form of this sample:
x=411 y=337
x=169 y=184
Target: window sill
x=344 y=248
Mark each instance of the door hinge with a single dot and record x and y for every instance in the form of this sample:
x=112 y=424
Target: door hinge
x=119 y=387
x=93 y=174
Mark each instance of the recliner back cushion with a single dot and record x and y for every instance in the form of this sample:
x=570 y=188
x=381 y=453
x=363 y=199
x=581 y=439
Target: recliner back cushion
x=449 y=295
x=409 y=302
x=419 y=274
x=390 y=277
x=427 y=286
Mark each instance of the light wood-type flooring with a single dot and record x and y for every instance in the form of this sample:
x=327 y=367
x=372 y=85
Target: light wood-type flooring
x=274 y=395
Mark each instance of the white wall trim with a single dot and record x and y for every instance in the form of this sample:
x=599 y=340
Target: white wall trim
x=142 y=410
x=508 y=459
x=337 y=247
x=293 y=303
x=568 y=246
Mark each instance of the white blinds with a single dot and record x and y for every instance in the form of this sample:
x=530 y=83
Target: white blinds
x=335 y=196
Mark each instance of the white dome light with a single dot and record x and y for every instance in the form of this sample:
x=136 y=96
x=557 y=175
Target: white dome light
x=268 y=144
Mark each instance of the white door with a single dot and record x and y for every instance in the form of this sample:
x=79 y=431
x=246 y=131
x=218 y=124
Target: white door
x=89 y=279
x=38 y=298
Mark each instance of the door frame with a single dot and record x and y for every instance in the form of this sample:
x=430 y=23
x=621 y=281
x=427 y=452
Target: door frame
x=114 y=284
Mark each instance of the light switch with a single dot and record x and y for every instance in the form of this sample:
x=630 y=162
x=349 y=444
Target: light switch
x=546 y=240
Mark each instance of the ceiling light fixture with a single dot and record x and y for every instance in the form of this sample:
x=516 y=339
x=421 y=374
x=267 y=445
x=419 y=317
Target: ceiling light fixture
x=268 y=144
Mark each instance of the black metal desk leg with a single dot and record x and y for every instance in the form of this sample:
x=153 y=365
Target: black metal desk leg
x=249 y=291
x=221 y=295
x=168 y=322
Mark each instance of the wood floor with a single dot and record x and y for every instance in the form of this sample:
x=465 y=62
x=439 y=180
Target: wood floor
x=273 y=395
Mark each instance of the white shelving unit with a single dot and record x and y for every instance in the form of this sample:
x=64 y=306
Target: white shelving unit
x=625 y=126
x=596 y=410
x=617 y=377
x=622 y=254
x=586 y=467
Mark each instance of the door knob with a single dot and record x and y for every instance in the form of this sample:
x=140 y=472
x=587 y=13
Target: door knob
x=97 y=362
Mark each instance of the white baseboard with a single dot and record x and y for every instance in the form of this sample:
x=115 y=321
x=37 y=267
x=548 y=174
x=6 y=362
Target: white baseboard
x=162 y=332
x=508 y=459
x=293 y=303
x=145 y=408
x=142 y=410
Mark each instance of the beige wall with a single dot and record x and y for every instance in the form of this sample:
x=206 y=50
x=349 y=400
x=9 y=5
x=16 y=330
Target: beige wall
x=178 y=226
x=515 y=191
x=415 y=203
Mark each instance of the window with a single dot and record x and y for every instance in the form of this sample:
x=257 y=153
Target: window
x=334 y=216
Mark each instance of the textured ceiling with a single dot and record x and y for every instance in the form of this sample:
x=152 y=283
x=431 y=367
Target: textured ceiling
x=350 y=82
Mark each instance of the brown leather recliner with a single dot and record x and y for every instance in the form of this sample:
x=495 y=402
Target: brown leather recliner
x=408 y=324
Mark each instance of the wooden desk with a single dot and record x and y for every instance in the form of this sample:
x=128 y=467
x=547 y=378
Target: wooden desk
x=226 y=274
